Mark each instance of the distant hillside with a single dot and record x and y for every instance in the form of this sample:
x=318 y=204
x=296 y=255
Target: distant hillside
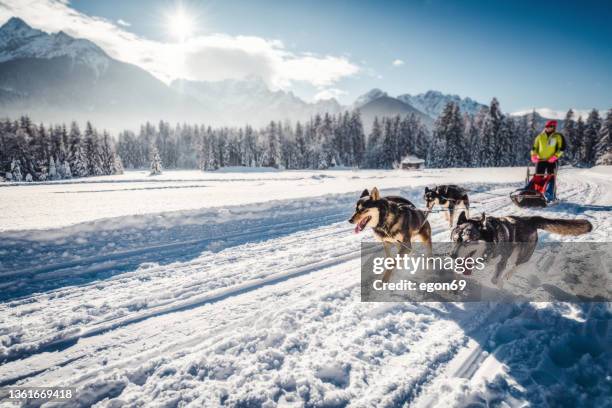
x=433 y=102
x=55 y=76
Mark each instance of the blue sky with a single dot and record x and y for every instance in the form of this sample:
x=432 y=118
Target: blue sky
x=528 y=54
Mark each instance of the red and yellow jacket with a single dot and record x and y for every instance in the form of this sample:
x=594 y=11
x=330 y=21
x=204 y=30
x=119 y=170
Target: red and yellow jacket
x=545 y=146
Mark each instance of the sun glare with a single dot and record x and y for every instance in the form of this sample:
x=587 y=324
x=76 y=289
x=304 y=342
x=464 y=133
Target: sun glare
x=181 y=25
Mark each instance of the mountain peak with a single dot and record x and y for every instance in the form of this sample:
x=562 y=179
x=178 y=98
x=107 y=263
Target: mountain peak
x=62 y=34
x=433 y=102
x=369 y=96
x=14 y=29
x=14 y=23
x=19 y=40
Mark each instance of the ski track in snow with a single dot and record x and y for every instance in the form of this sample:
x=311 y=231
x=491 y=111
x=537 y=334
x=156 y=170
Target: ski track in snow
x=258 y=305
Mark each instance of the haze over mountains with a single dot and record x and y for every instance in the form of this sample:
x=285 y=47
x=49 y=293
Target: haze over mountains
x=55 y=77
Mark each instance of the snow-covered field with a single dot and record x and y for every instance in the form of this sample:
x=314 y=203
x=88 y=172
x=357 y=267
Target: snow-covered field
x=242 y=289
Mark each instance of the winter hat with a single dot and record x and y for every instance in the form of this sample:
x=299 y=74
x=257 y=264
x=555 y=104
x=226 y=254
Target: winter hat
x=552 y=123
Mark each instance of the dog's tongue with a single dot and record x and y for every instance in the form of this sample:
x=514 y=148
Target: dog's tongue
x=360 y=226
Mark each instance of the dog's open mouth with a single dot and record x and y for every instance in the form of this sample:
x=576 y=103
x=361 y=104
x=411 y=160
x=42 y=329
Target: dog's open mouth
x=362 y=224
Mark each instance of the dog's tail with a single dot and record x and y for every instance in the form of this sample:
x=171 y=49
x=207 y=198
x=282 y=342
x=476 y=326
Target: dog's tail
x=561 y=226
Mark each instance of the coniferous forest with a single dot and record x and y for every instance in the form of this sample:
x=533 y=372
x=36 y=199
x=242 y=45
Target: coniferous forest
x=38 y=152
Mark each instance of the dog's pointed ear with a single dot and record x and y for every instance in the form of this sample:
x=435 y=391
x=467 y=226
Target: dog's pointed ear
x=483 y=219
x=365 y=193
x=462 y=218
x=375 y=194
x=426 y=189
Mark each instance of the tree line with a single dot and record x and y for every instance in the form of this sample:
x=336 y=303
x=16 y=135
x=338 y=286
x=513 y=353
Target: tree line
x=489 y=138
x=30 y=152
x=324 y=141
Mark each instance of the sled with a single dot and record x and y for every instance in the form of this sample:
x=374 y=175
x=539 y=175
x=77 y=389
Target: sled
x=534 y=192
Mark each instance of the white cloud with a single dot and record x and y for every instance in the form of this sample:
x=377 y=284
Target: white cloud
x=123 y=23
x=397 y=63
x=329 y=93
x=552 y=113
x=205 y=57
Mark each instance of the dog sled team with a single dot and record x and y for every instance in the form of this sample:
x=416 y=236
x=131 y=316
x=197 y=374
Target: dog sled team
x=396 y=221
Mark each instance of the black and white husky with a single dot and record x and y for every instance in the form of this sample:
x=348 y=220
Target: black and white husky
x=448 y=196
x=394 y=221
x=508 y=237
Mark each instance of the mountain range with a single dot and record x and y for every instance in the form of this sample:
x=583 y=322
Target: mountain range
x=55 y=77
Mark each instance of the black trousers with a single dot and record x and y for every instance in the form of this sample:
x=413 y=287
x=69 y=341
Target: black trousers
x=544 y=167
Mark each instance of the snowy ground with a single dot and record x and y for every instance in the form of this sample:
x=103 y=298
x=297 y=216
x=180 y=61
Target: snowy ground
x=242 y=289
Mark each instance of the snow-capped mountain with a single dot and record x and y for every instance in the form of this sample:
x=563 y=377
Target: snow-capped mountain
x=369 y=96
x=427 y=106
x=19 y=40
x=433 y=102
x=553 y=114
x=251 y=100
x=377 y=103
x=57 y=77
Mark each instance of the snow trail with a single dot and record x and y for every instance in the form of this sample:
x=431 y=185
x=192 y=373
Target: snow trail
x=269 y=313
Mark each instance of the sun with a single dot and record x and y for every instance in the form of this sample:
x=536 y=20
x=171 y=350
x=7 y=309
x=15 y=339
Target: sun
x=181 y=25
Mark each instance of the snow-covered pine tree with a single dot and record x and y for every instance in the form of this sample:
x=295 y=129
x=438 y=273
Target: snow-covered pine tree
x=591 y=133
x=40 y=144
x=357 y=136
x=16 y=170
x=78 y=164
x=397 y=155
x=67 y=173
x=506 y=143
x=473 y=132
x=24 y=151
x=301 y=150
x=422 y=139
x=92 y=151
x=57 y=148
x=288 y=148
x=374 y=146
x=273 y=153
x=406 y=137
x=339 y=147
x=107 y=154
x=447 y=145
x=250 y=147
x=76 y=158
x=53 y=173
x=455 y=139
x=117 y=165
x=489 y=135
x=604 y=143
x=156 y=162
x=520 y=144
x=579 y=158
x=389 y=143
x=572 y=148
x=326 y=134
x=215 y=158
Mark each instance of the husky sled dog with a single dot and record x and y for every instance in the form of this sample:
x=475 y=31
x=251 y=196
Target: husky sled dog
x=508 y=237
x=394 y=220
x=449 y=196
